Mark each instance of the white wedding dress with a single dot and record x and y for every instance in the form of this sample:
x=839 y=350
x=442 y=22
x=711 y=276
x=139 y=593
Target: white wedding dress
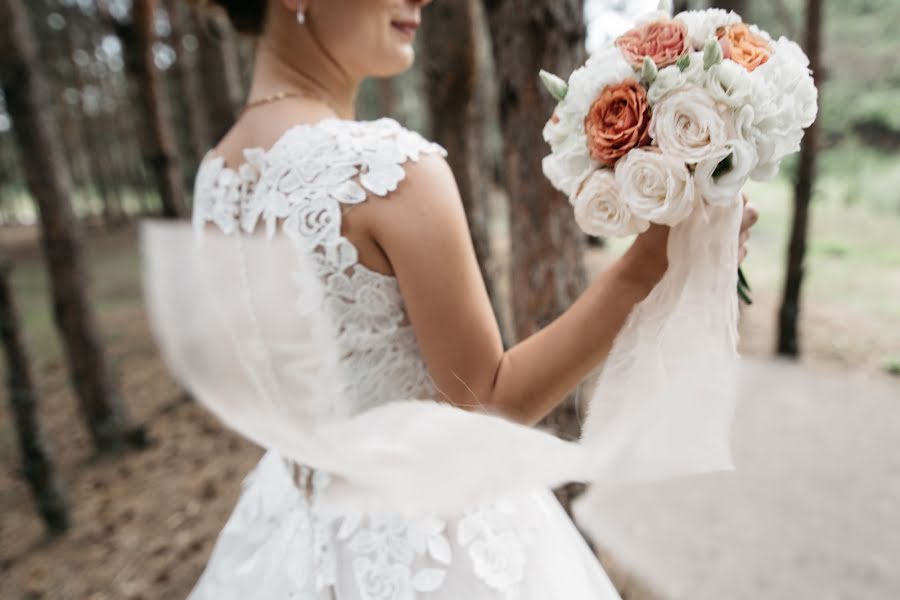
x=284 y=541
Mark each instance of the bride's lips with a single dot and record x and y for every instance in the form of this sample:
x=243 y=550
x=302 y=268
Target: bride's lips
x=407 y=28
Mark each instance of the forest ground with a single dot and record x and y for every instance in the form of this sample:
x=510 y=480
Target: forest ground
x=145 y=523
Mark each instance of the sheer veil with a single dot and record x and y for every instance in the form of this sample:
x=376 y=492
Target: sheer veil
x=241 y=325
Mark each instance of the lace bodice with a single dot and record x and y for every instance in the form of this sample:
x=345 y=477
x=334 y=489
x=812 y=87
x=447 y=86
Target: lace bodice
x=299 y=188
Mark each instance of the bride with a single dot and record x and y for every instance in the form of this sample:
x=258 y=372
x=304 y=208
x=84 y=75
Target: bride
x=378 y=206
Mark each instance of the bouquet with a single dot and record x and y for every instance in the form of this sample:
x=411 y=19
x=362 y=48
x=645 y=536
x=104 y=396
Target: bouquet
x=666 y=126
x=675 y=116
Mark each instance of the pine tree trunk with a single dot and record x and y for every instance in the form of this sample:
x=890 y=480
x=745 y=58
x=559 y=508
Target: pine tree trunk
x=452 y=74
x=36 y=464
x=788 y=316
x=547 y=271
x=183 y=24
x=49 y=182
x=91 y=141
x=161 y=149
x=738 y=6
x=220 y=72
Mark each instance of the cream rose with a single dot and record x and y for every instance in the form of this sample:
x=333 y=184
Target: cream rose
x=600 y=211
x=687 y=125
x=657 y=187
x=719 y=179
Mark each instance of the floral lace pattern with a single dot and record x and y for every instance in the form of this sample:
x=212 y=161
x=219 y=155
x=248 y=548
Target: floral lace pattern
x=496 y=545
x=298 y=188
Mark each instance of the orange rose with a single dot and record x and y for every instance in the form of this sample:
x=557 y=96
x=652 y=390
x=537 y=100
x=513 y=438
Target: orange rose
x=743 y=46
x=618 y=121
x=663 y=41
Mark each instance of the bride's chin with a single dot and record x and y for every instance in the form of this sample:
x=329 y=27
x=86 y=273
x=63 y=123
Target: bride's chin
x=399 y=62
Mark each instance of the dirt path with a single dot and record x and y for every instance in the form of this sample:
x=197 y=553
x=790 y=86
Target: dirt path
x=811 y=512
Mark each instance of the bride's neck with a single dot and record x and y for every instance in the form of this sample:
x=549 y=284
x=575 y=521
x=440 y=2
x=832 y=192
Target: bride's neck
x=317 y=76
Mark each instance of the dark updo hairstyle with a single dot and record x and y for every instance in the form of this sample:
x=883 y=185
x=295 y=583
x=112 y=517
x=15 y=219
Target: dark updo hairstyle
x=246 y=16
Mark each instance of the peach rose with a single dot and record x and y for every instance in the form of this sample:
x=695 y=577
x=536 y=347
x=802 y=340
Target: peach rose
x=618 y=121
x=663 y=41
x=743 y=46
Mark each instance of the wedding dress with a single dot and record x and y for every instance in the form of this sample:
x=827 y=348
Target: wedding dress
x=284 y=539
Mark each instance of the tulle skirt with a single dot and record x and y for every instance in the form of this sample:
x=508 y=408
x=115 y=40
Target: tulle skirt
x=283 y=541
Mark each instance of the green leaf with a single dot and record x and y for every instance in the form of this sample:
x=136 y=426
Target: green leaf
x=712 y=53
x=684 y=62
x=556 y=86
x=649 y=71
x=743 y=288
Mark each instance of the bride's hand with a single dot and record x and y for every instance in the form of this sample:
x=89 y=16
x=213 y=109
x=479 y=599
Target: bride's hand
x=751 y=216
x=647 y=260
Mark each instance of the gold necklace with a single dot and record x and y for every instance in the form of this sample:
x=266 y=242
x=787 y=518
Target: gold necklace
x=269 y=99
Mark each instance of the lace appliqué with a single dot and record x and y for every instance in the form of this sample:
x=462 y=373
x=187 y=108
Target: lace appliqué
x=497 y=544
x=299 y=186
x=390 y=550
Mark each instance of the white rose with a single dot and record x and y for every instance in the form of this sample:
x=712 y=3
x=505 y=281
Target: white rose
x=667 y=80
x=569 y=161
x=784 y=102
x=600 y=211
x=657 y=187
x=687 y=124
x=722 y=188
x=729 y=83
x=702 y=24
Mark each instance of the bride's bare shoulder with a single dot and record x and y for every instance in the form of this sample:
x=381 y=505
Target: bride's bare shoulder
x=427 y=200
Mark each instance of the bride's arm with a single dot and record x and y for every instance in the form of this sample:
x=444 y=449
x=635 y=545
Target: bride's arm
x=423 y=232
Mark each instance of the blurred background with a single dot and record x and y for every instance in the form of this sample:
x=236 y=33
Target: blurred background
x=114 y=485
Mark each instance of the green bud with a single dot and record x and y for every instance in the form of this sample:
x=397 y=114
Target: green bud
x=684 y=62
x=649 y=70
x=712 y=53
x=556 y=86
x=665 y=6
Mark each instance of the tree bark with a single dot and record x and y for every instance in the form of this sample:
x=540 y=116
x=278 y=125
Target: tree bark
x=190 y=79
x=788 y=316
x=547 y=271
x=220 y=70
x=50 y=184
x=37 y=466
x=94 y=148
x=452 y=73
x=161 y=148
x=738 y=6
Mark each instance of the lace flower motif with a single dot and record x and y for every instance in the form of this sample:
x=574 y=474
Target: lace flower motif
x=390 y=549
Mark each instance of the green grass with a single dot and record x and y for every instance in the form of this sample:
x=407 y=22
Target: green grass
x=853 y=254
